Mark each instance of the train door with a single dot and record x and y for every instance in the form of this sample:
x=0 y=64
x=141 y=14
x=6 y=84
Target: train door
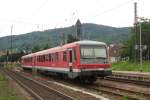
x=70 y=60
x=70 y=74
x=34 y=70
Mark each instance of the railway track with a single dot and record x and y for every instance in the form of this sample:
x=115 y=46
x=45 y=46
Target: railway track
x=106 y=89
x=119 y=92
x=128 y=80
x=143 y=77
x=134 y=78
x=38 y=90
x=110 y=91
x=143 y=81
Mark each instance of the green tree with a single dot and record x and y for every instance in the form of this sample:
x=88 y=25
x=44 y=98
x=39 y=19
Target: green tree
x=129 y=46
x=71 y=38
x=36 y=48
x=47 y=46
x=14 y=57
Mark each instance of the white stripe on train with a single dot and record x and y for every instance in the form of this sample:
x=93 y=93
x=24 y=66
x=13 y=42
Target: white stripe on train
x=63 y=69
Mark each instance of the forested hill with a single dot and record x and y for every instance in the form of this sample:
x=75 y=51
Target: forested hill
x=52 y=37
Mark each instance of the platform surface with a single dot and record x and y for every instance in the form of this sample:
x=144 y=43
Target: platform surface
x=132 y=73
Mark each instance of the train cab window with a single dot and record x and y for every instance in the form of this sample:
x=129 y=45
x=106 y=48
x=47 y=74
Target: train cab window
x=93 y=52
x=64 y=56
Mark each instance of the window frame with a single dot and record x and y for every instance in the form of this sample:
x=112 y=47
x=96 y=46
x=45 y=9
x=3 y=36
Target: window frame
x=65 y=56
x=95 y=46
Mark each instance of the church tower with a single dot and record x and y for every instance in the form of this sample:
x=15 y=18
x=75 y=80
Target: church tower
x=79 y=29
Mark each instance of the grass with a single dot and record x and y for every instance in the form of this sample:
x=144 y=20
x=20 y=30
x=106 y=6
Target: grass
x=126 y=98
x=131 y=66
x=12 y=65
x=6 y=91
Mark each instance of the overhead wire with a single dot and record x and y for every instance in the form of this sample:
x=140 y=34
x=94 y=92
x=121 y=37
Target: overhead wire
x=114 y=8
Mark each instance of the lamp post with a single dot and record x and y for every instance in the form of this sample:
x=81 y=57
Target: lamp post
x=141 y=46
x=11 y=45
x=141 y=69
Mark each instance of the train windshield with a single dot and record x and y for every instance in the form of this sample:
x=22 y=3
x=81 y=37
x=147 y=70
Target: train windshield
x=93 y=52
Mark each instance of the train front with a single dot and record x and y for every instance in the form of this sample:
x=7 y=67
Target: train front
x=94 y=59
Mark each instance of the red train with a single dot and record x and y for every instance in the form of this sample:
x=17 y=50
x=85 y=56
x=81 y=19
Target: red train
x=84 y=60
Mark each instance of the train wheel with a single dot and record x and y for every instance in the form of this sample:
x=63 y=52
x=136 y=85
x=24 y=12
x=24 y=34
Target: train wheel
x=91 y=80
x=80 y=80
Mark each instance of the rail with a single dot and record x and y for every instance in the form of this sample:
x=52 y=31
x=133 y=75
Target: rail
x=38 y=90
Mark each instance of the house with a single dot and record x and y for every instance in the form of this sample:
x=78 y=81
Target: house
x=114 y=52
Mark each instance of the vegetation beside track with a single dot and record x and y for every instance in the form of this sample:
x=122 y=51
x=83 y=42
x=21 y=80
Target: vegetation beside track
x=12 y=65
x=7 y=91
x=130 y=66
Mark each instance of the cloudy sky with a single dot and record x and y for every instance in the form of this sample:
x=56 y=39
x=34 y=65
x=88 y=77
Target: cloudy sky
x=38 y=15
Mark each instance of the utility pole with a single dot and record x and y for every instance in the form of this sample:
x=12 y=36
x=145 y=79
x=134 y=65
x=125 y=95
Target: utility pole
x=11 y=45
x=7 y=51
x=141 y=49
x=135 y=30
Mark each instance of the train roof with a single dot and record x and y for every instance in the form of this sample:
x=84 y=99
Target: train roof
x=29 y=55
x=64 y=47
x=89 y=42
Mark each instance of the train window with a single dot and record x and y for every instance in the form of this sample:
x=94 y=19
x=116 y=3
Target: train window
x=30 y=59
x=70 y=53
x=24 y=60
x=38 y=58
x=43 y=58
x=93 y=52
x=56 y=57
x=46 y=57
x=64 y=56
x=74 y=51
x=50 y=57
